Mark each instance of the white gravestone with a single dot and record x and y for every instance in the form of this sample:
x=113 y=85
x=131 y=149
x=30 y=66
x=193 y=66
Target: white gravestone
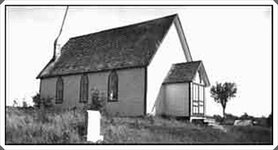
x=243 y=123
x=93 y=128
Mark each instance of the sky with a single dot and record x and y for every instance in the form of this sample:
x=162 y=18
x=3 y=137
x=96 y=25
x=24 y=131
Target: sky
x=234 y=44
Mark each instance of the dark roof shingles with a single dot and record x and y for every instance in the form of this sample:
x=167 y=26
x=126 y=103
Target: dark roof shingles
x=182 y=72
x=128 y=46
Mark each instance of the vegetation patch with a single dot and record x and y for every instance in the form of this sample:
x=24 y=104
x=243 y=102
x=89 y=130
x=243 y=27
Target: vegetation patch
x=50 y=126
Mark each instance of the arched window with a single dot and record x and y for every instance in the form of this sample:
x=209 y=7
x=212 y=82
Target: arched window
x=59 y=90
x=84 y=85
x=113 y=87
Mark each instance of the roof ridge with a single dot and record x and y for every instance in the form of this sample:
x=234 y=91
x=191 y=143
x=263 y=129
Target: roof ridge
x=125 y=26
x=182 y=72
x=188 y=62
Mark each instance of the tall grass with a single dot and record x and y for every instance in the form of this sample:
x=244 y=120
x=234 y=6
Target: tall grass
x=31 y=126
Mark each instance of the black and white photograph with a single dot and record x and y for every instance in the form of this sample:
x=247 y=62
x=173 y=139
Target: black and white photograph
x=147 y=74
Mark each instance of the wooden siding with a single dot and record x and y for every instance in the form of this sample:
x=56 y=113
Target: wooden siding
x=130 y=93
x=48 y=88
x=177 y=99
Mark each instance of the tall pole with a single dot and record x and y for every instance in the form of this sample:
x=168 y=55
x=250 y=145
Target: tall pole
x=56 y=40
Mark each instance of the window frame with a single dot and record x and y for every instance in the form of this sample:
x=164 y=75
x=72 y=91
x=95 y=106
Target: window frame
x=84 y=88
x=113 y=74
x=59 y=97
x=198 y=99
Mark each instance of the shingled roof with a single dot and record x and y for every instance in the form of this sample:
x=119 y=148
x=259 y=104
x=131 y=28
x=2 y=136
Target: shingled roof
x=185 y=72
x=123 y=47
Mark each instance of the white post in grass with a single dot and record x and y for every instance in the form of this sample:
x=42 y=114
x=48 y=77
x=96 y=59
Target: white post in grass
x=93 y=126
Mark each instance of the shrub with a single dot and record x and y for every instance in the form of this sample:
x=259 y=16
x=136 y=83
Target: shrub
x=47 y=103
x=98 y=101
x=229 y=119
x=270 y=120
x=37 y=100
x=218 y=118
x=230 y=116
x=15 y=103
x=245 y=116
x=42 y=102
x=24 y=104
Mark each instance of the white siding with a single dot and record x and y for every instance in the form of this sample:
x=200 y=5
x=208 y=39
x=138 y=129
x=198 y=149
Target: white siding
x=169 y=52
x=198 y=79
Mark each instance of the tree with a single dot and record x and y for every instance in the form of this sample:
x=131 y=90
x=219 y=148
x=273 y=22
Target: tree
x=222 y=93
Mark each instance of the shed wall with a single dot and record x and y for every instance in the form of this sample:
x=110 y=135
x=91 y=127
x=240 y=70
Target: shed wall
x=177 y=99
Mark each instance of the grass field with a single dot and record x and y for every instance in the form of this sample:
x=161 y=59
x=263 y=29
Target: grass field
x=31 y=126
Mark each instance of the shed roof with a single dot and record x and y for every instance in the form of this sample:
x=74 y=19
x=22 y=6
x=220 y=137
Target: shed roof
x=123 y=47
x=186 y=72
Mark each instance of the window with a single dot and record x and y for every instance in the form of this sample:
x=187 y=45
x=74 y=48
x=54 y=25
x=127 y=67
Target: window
x=197 y=99
x=195 y=107
x=113 y=87
x=201 y=109
x=201 y=93
x=84 y=84
x=195 y=92
x=59 y=90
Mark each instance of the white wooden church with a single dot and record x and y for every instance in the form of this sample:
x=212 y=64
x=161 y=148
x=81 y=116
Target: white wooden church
x=140 y=68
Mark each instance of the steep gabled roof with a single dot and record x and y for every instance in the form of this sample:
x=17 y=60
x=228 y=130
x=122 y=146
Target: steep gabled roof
x=124 y=47
x=186 y=72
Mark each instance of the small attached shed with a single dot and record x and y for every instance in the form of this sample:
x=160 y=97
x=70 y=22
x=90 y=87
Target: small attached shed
x=183 y=91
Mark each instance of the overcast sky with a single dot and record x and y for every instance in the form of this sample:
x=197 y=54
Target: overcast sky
x=234 y=44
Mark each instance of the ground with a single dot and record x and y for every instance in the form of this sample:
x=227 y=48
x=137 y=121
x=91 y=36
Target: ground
x=33 y=126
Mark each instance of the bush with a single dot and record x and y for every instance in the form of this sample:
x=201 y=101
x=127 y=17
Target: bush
x=98 y=101
x=231 y=117
x=245 y=116
x=218 y=118
x=24 y=104
x=42 y=102
x=47 y=103
x=37 y=100
x=270 y=120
